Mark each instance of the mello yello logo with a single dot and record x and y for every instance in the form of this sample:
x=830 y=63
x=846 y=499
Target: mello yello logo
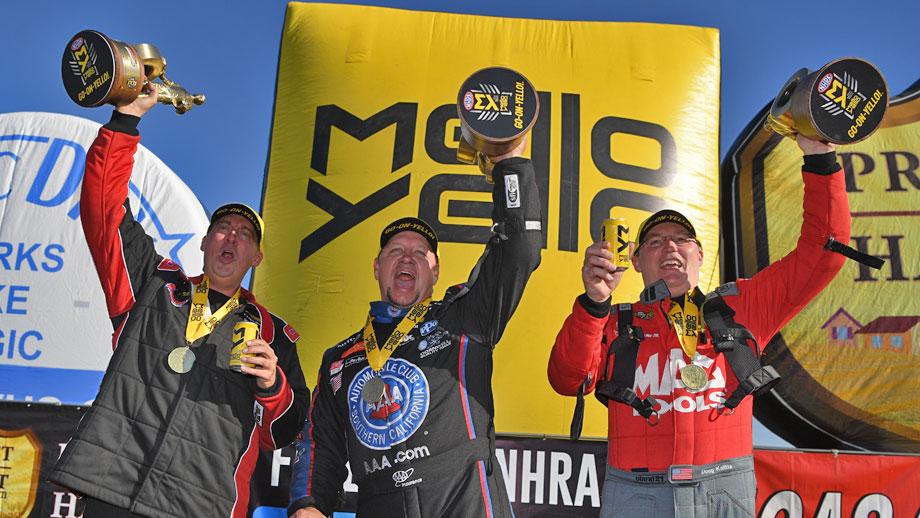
x=404 y=115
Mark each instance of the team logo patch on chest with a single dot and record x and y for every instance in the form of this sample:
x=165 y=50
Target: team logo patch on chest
x=178 y=296
x=400 y=411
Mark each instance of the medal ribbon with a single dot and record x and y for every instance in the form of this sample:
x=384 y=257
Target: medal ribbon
x=200 y=320
x=377 y=355
x=686 y=322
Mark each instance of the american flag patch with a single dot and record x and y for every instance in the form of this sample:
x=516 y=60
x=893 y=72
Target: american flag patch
x=335 y=367
x=336 y=383
x=681 y=473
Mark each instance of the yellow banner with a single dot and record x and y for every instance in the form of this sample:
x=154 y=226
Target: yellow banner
x=855 y=350
x=365 y=131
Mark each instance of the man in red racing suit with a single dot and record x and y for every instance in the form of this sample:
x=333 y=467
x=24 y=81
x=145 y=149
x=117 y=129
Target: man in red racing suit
x=691 y=457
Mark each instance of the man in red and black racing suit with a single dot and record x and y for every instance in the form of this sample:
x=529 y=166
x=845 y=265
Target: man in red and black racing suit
x=423 y=444
x=690 y=456
x=174 y=431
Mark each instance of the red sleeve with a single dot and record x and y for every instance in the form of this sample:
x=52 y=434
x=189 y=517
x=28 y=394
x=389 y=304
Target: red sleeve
x=576 y=352
x=768 y=300
x=109 y=162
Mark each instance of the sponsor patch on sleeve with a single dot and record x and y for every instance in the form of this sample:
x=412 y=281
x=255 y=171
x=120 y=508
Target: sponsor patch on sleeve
x=512 y=192
x=257 y=409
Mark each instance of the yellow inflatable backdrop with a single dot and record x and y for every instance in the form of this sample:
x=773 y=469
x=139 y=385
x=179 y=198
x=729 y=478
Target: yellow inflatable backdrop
x=365 y=131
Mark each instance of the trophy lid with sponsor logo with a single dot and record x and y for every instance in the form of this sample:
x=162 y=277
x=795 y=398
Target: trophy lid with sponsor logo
x=843 y=102
x=497 y=106
x=97 y=69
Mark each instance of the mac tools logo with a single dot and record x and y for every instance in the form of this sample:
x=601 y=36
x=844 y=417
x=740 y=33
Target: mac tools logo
x=48 y=268
x=398 y=414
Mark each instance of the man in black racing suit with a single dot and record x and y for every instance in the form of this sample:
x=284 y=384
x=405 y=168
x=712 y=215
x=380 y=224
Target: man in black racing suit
x=416 y=424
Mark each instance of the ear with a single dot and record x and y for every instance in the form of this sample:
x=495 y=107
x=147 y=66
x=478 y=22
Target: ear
x=635 y=262
x=376 y=268
x=436 y=271
x=203 y=239
x=257 y=259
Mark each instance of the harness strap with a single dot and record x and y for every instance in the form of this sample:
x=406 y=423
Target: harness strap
x=730 y=338
x=619 y=387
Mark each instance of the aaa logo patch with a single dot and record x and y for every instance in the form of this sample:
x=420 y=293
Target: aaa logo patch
x=398 y=414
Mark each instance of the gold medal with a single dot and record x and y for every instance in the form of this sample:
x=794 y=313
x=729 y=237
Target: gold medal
x=693 y=376
x=181 y=359
x=373 y=390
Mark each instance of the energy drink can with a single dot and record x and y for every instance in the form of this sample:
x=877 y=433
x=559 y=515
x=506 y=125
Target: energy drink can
x=243 y=331
x=616 y=232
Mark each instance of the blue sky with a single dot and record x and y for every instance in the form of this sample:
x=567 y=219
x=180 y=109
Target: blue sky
x=229 y=51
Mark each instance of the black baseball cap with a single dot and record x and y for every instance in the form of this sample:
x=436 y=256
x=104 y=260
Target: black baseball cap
x=413 y=225
x=243 y=210
x=664 y=216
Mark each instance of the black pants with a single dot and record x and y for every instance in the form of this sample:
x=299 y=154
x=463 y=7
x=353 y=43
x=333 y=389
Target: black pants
x=93 y=508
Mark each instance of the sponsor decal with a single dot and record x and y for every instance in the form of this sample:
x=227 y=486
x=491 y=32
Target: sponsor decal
x=423 y=345
x=436 y=342
x=842 y=96
x=393 y=311
x=347 y=342
x=645 y=315
x=825 y=82
x=257 y=410
x=290 y=333
x=398 y=414
x=489 y=102
x=427 y=327
x=335 y=367
x=663 y=382
x=866 y=111
x=83 y=62
x=512 y=192
x=178 y=296
x=168 y=265
x=401 y=478
x=384 y=462
x=468 y=101
x=355 y=359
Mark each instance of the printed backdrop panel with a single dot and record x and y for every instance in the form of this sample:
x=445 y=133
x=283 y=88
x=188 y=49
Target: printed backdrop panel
x=55 y=333
x=849 y=360
x=365 y=131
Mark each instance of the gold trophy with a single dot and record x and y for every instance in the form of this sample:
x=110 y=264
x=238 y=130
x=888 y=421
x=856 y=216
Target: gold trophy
x=842 y=102
x=497 y=107
x=97 y=70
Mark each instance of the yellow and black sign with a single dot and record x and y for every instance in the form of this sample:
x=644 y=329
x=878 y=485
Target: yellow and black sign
x=20 y=464
x=366 y=129
x=852 y=355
